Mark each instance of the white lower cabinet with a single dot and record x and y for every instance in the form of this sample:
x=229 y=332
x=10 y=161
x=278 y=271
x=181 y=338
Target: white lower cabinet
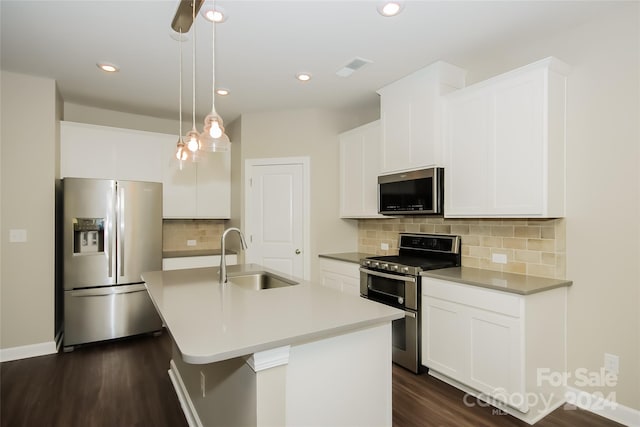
x=340 y=275
x=181 y=263
x=495 y=345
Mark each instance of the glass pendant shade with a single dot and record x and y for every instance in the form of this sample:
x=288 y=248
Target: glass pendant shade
x=192 y=141
x=181 y=152
x=213 y=138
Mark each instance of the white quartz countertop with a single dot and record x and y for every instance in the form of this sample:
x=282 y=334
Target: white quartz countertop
x=210 y=322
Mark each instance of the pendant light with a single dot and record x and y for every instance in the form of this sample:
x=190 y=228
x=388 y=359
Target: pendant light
x=182 y=154
x=213 y=138
x=192 y=137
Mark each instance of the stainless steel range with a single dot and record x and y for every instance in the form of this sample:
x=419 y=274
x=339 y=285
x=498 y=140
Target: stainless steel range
x=395 y=281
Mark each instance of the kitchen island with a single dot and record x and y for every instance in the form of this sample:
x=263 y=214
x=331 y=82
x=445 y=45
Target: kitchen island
x=292 y=355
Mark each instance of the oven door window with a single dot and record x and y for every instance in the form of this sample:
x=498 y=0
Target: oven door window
x=412 y=195
x=386 y=290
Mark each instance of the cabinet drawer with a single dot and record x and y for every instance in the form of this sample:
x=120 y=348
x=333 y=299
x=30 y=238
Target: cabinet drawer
x=472 y=296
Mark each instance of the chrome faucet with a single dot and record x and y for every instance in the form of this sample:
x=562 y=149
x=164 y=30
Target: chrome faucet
x=223 y=261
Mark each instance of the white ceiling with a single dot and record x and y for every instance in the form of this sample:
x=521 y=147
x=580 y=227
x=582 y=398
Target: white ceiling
x=260 y=48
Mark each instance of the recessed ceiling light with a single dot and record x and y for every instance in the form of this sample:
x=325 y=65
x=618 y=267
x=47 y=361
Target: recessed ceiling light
x=108 y=68
x=216 y=14
x=222 y=92
x=390 y=8
x=303 y=77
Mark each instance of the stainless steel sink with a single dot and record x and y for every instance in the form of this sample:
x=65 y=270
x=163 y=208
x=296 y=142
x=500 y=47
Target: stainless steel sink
x=259 y=281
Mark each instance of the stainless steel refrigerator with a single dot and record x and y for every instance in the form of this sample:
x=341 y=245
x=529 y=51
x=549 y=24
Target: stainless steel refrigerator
x=112 y=233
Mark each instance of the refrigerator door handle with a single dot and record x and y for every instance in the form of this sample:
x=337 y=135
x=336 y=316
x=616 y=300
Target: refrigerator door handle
x=108 y=290
x=109 y=236
x=121 y=224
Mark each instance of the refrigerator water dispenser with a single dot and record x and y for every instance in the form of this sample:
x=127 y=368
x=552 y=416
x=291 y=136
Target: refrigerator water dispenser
x=88 y=235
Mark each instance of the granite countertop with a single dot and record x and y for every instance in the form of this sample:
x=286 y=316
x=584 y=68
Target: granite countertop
x=210 y=322
x=194 y=252
x=353 y=257
x=507 y=282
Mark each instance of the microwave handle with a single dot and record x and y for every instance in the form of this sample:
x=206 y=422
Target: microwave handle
x=388 y=276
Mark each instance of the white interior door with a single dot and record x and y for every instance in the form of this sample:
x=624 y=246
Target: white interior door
x=276 y=215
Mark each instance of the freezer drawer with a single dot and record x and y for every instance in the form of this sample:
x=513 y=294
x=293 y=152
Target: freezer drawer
x=104 y=313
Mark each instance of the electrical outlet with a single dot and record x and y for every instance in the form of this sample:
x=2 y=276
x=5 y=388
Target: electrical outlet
x=384 y=246
x=191 y=242
x=202 y=383
x=17 y=236
x=499 y=258
x=611 y=363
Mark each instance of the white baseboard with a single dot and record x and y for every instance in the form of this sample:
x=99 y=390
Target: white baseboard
x=183 y=396
x=604 y=407
x=26 y=351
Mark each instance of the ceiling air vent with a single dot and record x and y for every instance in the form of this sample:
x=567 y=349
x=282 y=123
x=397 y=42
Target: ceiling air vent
x=354 y=65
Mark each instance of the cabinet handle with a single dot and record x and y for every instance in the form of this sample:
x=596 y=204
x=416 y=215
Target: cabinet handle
x=297 y=251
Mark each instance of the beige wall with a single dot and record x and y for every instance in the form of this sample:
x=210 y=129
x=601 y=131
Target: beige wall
x=314 y=134
x=30 y=147
x=603 y=198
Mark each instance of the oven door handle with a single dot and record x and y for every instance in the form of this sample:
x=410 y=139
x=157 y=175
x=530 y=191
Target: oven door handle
x=388 y=276
x=410 y=314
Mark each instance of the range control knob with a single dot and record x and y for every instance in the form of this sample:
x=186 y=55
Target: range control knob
x=366 y=262
x=375 y=264
x=405 y=269
x=384 y=266
x=394 y=267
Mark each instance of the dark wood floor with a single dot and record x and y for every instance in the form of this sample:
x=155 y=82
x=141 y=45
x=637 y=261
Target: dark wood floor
x=125 y=383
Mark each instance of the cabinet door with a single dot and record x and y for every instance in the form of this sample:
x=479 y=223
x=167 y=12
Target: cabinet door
x=444 y=337
x=101 y=152
x=410 y=112
x=178 y=185
x=340 y=275
x=518 y=145
x=468 y=134
x=331 y=280
x=396 y=116
x=86 y=151
x=504 y=145
x=213 y=186
x=359 y=168
x=496 y=365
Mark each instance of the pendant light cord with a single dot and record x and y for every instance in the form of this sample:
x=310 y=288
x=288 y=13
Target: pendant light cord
x=193 y=16
x=213 y=60
x=180 y=85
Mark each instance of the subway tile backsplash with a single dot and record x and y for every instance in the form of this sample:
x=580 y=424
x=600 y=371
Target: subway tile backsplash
x=534 y=247
x=206 y=233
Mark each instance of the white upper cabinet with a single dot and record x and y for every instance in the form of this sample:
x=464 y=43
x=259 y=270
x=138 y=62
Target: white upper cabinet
x=199 y=190
x=359 y=169
x=410 y=115
x=504 y=144
x=101 y=152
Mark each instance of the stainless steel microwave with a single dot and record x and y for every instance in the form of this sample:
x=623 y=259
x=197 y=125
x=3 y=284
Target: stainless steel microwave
x=419 y=192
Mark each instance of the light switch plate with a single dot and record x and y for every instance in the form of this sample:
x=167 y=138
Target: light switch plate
x=191 y=242
x=384 y=246
x=17 y=236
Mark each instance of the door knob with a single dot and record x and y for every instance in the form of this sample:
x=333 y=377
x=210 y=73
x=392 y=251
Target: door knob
x=297 y=251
